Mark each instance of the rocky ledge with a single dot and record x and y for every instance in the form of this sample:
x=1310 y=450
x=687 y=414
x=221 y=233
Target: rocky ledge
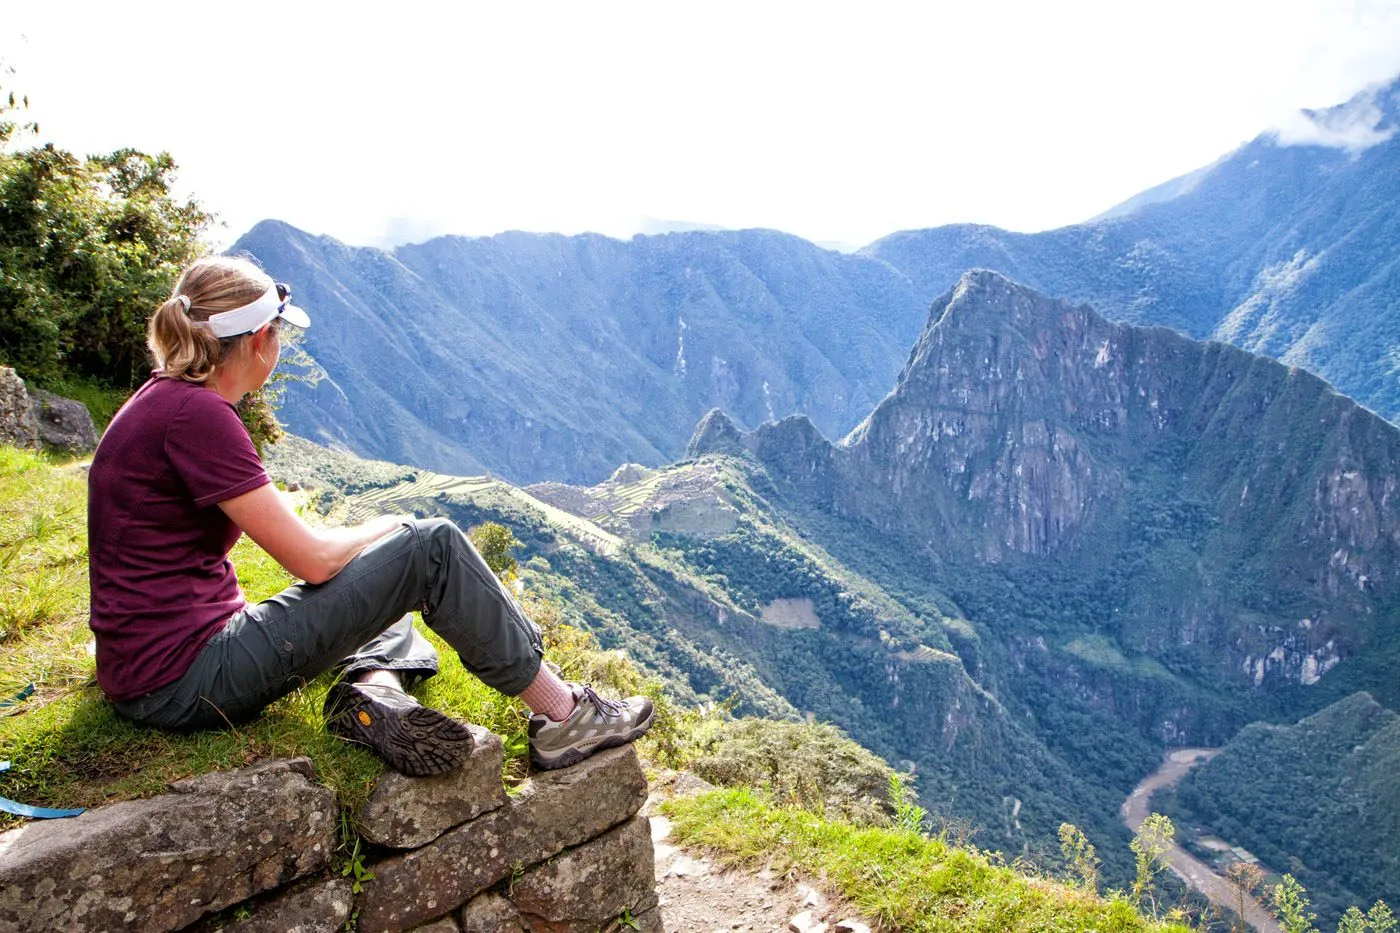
x=255 y=850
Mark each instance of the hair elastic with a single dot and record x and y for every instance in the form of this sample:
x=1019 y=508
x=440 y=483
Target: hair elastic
x=184 y=302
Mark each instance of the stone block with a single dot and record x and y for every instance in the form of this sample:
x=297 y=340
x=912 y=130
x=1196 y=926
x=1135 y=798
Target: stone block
x=64 y=423
x=554 y=810
x=320 y=907
x=441 y=925
x=161 y=863
x=589 y=886
x=406 y=812
x=490 y=913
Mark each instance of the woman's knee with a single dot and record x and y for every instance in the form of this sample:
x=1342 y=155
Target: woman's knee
x=437 y=529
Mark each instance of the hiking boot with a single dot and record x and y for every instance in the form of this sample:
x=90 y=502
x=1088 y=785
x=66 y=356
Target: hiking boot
x=412 y=738
x=595 y=724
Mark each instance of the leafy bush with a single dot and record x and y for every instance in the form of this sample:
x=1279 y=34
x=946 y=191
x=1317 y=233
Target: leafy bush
x=812 y=765
x=89 y=247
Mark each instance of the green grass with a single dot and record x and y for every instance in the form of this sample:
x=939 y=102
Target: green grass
x=904 y=880
x=67 y=745
x=1102 y=651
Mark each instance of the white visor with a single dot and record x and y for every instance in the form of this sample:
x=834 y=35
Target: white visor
x=252 y=316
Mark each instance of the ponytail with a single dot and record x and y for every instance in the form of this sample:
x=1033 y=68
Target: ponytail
x=181 y=350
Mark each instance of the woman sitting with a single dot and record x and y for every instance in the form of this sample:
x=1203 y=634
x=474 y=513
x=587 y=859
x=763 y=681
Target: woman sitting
x=175 y=482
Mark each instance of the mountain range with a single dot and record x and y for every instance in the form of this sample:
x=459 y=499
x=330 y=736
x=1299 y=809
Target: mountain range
x=1288 y=250
x=1057 y=547
x=535 y=356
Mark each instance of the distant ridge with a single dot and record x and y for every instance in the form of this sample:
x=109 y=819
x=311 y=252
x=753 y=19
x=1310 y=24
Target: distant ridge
x=1287 y=247
x=546 y=357
x=535 y=356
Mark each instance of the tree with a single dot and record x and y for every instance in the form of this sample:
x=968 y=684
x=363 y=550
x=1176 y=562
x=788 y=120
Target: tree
x=1378 y=919
x=1078 y=852
x=1244 y=879
x=89 y=247
x=495 y=542
x=1154 y=837
x=1291 y=906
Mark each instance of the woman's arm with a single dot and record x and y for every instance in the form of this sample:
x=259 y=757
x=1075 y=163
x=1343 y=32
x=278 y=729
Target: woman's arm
x=313 y=554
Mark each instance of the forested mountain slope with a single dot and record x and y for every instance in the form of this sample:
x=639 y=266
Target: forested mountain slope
x=1317 y=798
x=1059 y=546
x=1230 y=518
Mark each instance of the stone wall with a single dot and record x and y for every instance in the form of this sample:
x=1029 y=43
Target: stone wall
x=254 y=850
x=17 y=424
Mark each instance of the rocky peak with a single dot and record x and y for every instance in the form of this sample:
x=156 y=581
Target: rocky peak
x=715 y=434
x=1024 y=429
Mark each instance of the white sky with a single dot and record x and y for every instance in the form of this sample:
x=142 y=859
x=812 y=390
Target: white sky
x=840 y=122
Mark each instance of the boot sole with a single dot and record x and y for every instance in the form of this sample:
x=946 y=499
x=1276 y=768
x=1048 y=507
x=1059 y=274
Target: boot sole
x=417 y=741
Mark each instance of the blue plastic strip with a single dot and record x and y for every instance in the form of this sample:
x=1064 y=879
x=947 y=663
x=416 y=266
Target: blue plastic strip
x=18 y=698
x=34 y=813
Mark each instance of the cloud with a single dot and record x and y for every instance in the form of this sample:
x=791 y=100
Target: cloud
x=401 y=230
x=1360 y=123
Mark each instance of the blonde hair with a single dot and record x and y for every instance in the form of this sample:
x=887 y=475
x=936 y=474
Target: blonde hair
x=210 y=285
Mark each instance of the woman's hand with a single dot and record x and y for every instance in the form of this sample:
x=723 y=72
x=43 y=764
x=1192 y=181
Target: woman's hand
x=313 y=554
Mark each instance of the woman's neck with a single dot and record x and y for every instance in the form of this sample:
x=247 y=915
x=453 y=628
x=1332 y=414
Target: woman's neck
x=232 y=382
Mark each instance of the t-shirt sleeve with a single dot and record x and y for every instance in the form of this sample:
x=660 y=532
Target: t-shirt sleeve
x=212 y=452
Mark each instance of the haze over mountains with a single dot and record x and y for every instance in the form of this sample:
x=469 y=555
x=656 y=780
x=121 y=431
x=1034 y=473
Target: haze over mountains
x=551 y=357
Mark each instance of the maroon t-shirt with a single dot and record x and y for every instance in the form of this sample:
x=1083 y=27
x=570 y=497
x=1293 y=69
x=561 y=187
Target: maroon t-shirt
x=158 y=543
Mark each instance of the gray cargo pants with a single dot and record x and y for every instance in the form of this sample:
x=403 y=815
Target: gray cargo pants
x=357 y=619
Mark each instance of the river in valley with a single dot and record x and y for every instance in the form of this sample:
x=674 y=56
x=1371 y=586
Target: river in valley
x=1192 y=870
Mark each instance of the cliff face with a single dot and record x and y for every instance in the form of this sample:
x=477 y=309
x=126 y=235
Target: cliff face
x=1228 y=509
x=988 y=435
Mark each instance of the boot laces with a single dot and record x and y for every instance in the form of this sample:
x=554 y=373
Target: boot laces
x=609 y=708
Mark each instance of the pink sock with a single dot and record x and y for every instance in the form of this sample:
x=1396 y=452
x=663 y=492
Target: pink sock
x=549 y=695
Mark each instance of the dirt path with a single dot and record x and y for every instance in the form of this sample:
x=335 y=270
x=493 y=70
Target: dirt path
x=1192 y=870
x=699 y=896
